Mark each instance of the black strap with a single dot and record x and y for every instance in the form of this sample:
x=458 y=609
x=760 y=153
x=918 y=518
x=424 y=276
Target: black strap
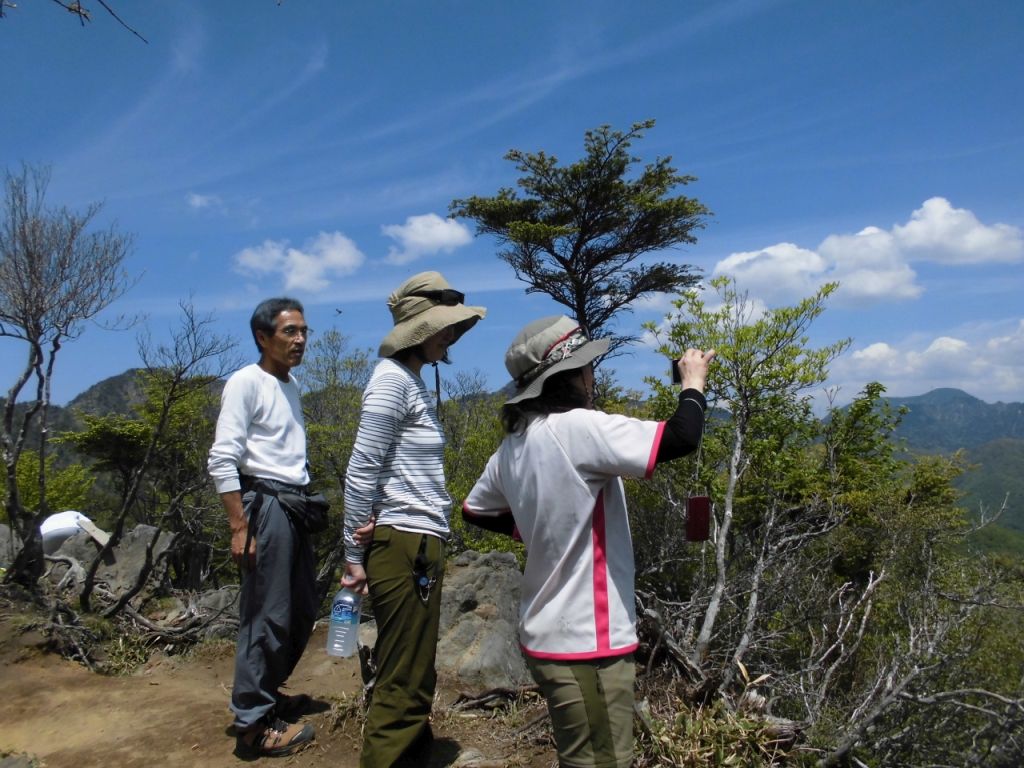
x=250 y=528
x=437 y=390
x=268 y=486
x=422 y=579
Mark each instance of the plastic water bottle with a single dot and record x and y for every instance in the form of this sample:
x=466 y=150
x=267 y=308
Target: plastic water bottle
x=344 y=630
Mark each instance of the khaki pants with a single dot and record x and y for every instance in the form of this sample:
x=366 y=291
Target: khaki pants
x=397 y=723
x=591 y=708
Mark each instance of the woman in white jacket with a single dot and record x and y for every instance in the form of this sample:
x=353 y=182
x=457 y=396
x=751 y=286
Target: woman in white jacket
x=557 y=479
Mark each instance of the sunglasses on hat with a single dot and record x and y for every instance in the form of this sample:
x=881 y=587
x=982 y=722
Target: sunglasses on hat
x=447 y=296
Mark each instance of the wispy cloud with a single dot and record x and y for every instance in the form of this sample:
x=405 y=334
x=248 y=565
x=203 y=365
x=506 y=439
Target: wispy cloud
x=424 y=236
x=328 y=255
x=200 y=202
x=874 y=264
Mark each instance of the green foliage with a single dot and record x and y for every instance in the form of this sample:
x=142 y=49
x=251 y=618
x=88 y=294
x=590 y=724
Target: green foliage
x=753 y=459
x=66 y=488
x=578 y=230
x=1000 y=542
x=837 y=561
x=762 y=369
x=763 y=362
x=116 y=443
x=473 y=432
x=334 y=378
x=994 y=478
x=172 y=435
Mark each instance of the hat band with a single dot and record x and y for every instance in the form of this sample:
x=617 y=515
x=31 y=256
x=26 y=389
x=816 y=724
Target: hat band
x=447 y=296
x=556 y=353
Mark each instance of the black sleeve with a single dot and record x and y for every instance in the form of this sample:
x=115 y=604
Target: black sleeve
x=504 y=523
x=684 y=428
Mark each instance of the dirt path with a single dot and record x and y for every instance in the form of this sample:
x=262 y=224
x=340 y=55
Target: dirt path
x=174 y=713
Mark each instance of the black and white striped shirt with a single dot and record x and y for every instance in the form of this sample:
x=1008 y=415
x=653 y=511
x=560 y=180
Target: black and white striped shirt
x=396 y=472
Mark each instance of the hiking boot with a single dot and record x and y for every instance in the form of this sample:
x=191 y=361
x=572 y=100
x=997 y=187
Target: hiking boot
x=273 y=739
x=291 y=708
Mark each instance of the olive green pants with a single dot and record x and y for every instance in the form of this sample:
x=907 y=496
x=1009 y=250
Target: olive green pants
x=591 y=708
x=397 y=723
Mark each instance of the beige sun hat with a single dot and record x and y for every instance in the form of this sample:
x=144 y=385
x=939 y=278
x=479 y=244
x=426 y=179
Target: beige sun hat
x=546 y=347
x=423 y=305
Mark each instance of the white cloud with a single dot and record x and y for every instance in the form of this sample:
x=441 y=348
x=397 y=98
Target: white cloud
x=776 y=272
x=423 y=236
x=939 y=232
x=874 y=264
x=986 y=361
x=877 y=355
x=869 y=265
x=199 y=202
x=326 y=256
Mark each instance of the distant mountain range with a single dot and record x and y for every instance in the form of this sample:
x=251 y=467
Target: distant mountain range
x=946 y=420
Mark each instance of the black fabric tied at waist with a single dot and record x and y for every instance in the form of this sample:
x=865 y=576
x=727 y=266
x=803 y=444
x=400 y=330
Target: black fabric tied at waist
x=308 y=511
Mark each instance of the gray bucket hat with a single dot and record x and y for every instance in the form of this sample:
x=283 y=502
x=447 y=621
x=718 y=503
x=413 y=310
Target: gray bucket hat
x=423 y=305
x=546 y=347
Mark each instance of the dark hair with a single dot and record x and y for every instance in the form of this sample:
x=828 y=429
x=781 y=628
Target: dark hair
x=265 y=316
x=403 y=355
x=559 y=394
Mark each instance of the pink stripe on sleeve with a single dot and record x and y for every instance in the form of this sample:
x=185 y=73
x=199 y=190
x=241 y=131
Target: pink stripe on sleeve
x=652 y=460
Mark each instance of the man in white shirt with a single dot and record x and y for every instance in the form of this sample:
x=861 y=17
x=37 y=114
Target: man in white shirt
x=260 y=449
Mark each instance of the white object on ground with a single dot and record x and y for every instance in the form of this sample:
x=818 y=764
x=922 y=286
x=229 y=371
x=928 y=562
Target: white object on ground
x=59 y=527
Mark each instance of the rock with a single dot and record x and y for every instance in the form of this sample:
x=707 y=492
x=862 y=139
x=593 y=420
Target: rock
x=220 y=610
x=479 y=642
x=122 y=566
x=217 y=609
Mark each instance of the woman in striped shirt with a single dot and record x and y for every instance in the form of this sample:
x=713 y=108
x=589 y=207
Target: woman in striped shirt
x=395 y=479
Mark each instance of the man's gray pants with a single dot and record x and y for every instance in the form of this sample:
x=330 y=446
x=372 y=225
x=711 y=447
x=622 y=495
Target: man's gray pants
x=276 y=614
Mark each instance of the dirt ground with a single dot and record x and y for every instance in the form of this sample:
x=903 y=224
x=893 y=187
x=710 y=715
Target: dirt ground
x=174 y=712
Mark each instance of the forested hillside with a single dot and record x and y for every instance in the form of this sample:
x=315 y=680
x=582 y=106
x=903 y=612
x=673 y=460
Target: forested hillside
x=947 y=420
x=991 y=436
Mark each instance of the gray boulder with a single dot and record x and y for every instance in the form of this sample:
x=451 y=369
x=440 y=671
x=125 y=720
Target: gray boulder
x=120 y=569
x=215 y=610
x=479 y=642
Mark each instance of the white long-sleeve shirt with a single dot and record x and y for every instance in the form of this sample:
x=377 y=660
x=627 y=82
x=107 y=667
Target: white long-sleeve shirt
x=260 y=431
x=396 y=471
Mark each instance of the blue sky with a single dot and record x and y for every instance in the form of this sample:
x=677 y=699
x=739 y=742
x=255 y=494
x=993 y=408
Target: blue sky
x=262 y=147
